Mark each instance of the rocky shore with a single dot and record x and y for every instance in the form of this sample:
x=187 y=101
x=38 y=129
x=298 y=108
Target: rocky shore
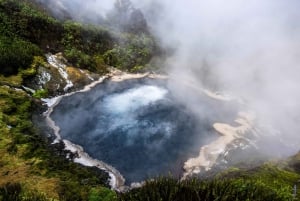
x=208 y=154
x=117 y=181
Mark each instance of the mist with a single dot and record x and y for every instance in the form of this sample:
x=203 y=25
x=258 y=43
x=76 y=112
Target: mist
x=250 y=49
x=88 y=10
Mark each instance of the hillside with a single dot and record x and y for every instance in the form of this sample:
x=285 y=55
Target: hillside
x=32 y=168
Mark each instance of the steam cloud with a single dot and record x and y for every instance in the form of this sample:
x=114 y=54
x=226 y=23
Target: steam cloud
x=248 y=48
x=88 y=10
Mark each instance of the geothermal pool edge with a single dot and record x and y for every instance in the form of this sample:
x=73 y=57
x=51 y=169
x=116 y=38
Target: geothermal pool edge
x=117 y=181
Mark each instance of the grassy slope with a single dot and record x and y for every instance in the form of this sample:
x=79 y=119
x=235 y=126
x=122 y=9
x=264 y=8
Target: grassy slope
x=266 y=183
x=31 y=169
x=28 y=160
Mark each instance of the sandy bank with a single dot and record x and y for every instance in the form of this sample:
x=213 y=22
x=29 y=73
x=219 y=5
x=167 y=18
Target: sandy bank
x=118 y=76
x=217 y=96
x=117 y=181
x=209 y=153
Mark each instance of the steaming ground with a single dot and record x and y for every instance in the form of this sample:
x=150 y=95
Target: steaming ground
x=139 y=127
x=249 y=48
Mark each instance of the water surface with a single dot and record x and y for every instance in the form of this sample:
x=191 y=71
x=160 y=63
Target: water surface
x=137 y=126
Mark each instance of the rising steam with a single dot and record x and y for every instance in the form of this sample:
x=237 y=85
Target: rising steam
x=248 y=48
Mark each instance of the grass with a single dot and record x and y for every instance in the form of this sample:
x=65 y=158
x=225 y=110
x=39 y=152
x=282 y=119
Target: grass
x=15 y=192
x=26 y=159
x=264 y=184
x=14 y=167
x=33 y=169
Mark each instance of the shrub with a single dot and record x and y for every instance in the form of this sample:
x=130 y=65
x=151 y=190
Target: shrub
x=132 y=53
x=15 y=192
x=16 y=54
x=10 y=191
x=80 y=59
x=102 y=194
x=41 y=93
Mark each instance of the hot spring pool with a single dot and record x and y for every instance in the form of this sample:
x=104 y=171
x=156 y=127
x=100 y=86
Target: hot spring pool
x=137 y=126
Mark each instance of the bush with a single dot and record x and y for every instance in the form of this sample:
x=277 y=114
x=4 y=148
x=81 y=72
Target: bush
x=42 y=93
x=89 y=39
x=24 y=20
x=10 y=192
x=15 y=192
x=29 y=73
x=23 y=140
x=102 y=194
x=80 y=59
x=132 y=54
x=16 y=54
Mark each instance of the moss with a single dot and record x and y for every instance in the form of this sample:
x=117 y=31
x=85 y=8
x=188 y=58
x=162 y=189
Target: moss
x=23 y=74
x=42 y=93
x=32 y=70
x=13 y=80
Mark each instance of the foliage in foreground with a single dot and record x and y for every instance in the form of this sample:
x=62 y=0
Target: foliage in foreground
x=171 y=190
x=266 y=183
x=14 y=192
x=30 y=169
x=28 y=163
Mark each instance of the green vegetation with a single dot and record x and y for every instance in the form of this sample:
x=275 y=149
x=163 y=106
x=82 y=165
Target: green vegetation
x=24 y=20
x=28 y=159
x=42 y=93
x=22 y=32
x=27 y=31
x=31 y=71
x=14 y=192
x=102 y=194
x=16 y=54
x=31 y=168
x=83 y=44
x=135 y=52
x=264 y=183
